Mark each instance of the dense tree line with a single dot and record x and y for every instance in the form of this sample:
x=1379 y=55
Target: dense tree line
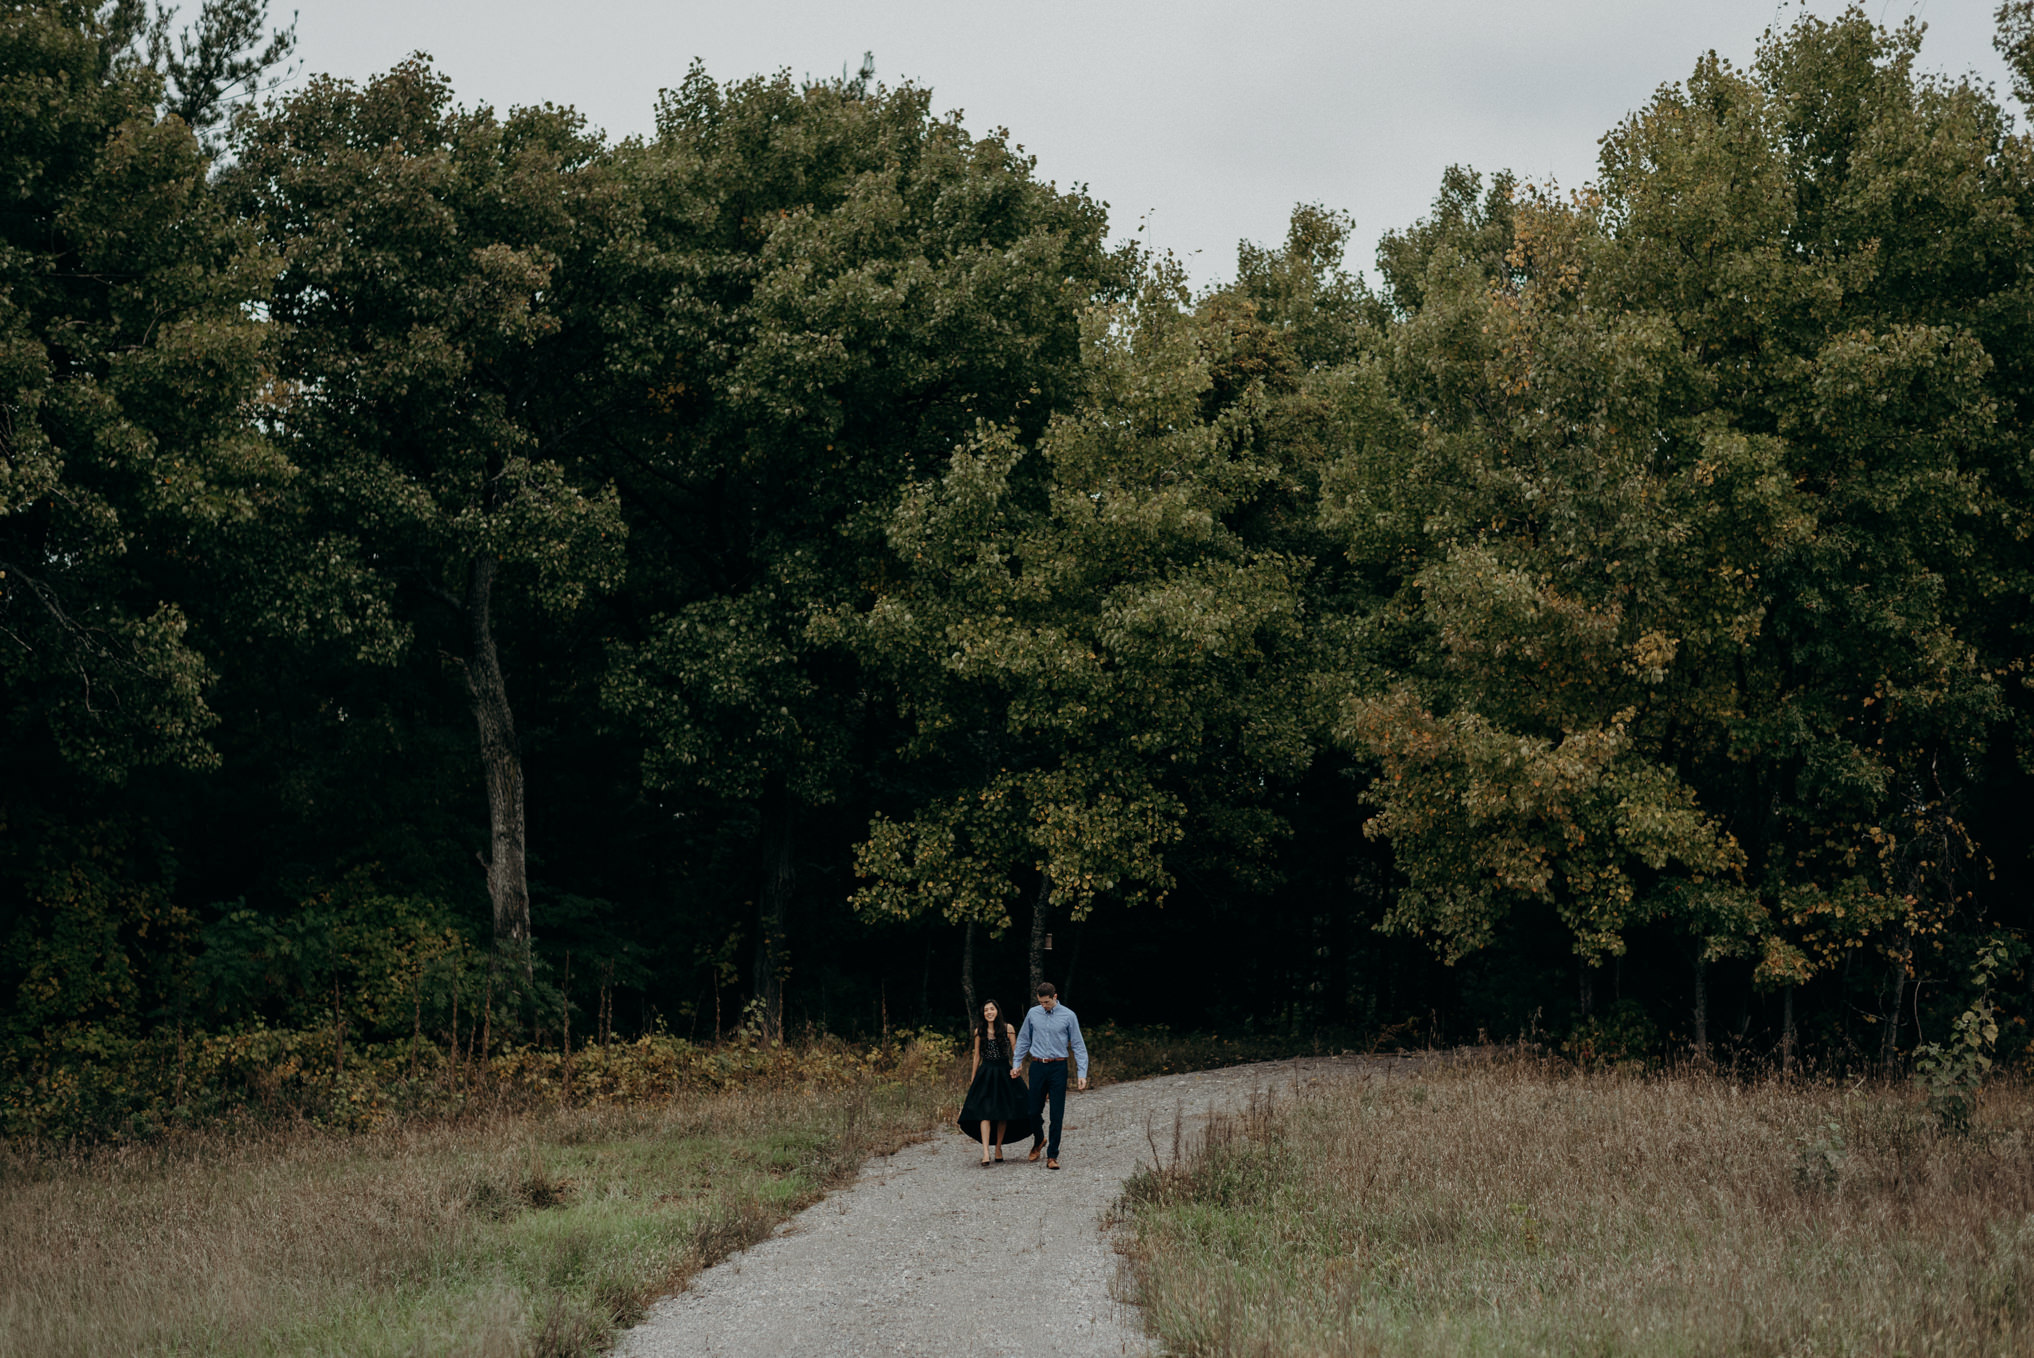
x=790 y=569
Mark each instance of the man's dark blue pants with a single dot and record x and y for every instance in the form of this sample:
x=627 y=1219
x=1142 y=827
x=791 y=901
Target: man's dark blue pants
x=1048 y=1081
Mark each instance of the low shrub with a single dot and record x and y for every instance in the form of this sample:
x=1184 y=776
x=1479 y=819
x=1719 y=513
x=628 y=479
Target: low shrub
x=95 y=1085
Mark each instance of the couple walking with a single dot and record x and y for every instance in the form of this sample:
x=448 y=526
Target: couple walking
x=999 y=1103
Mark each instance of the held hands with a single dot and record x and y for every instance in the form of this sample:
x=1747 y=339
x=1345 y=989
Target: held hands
x=1081 y=1084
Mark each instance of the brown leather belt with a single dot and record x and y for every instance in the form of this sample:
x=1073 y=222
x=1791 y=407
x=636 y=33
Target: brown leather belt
x=1046 y=1060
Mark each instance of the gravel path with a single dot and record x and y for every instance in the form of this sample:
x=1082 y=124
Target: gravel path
x=926 y=1253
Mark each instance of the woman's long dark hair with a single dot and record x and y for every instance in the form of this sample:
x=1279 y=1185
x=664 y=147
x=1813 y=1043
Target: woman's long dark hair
x=982 y=1031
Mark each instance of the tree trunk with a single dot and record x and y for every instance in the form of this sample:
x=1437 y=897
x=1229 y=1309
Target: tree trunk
x=486 y=1028
x=1701 y=1007
x=968 y=974
x=773 y=960
x=339 y=1035
x=1787 y=1031
x=1066 y=981
x=1041 y=910
x=1889 y=1041
x=607 y=1008
x=501 y=764
x=1583 y=988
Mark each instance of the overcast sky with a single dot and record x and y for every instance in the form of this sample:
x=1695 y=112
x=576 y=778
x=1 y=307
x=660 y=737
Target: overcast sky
x=1207 y=121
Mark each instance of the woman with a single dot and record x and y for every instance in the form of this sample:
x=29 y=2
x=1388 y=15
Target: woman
x=994 y=1099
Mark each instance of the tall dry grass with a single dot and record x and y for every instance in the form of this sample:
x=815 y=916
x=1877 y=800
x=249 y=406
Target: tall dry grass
x=503 y=1235
x=1517 y=1209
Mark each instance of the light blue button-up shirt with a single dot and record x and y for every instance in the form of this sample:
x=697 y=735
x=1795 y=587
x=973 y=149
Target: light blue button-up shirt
x=1050 y=1035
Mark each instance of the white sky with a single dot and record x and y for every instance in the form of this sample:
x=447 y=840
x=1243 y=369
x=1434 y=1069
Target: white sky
x=1206 y=120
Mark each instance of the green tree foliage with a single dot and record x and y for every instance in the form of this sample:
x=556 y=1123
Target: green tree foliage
x=826 y=533
x=129 y=360
x=1093 y=655
x=1505 y=472
x=2015 y=42
x=216 y=63
x=1712 y=555
x=95 y=927
x=1878 y=349
x=836 y=285
x=428 y=380
x=144 y=516
x=1953 y=1072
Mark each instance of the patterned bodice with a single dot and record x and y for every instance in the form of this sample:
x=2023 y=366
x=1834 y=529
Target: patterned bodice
x=995 y=1048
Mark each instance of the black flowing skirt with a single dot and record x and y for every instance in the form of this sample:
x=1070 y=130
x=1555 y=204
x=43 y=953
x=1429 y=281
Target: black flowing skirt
x=994 y=1097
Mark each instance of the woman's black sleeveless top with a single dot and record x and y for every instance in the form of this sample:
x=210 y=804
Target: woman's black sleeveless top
x=994 y=1049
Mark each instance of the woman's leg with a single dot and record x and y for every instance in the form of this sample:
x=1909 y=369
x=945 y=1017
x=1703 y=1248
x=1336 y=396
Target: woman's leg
x=1000 y=1128
x=985 y=1141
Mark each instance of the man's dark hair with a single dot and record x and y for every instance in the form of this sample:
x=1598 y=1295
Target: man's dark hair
x=1047 y=988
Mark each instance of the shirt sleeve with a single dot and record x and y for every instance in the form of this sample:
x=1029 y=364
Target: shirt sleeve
x=1023 y=1047
x=1080 y=1048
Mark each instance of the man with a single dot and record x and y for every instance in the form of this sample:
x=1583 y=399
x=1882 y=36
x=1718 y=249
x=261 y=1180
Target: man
x=1050 y=1031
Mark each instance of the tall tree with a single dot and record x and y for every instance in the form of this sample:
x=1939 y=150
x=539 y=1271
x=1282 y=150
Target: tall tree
x=835 y=286
x=129 y=357
x=1839 y=244
x=143 y=514
x=429 y=386
x=1096 y=661
x=1704 y=517
x=221 y=61
x=1510 y=468
x=2015 y=42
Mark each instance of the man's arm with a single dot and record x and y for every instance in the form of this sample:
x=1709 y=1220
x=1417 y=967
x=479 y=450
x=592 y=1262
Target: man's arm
x=1080 y=1048
x=1023 y=1047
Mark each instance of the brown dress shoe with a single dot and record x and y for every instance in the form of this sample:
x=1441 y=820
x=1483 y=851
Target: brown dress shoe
x=1036 y=1151
x=1052 y=1164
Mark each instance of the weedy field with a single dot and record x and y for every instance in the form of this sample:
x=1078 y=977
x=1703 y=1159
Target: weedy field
x=1513 y=1208
x=517 y=1206
x=513 y=1233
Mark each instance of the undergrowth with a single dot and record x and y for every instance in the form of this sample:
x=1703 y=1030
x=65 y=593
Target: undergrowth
x=108 y=1089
